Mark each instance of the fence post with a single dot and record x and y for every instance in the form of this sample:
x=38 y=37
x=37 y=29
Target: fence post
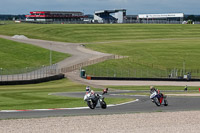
x=1 y=70
x=33 y=74
x=7 y=75
x=17 y=76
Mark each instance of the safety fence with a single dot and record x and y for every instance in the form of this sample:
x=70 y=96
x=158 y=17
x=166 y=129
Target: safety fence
x=47 y=71
x=143 y=73
x=28 y=73
x=90 y=62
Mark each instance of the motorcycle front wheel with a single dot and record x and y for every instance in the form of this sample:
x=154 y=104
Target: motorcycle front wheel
x=103 y=105
x=90 y=104
x=165 y=103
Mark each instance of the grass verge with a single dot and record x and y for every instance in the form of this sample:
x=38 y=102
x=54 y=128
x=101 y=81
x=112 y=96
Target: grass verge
x=36 y=96
x=15 y=55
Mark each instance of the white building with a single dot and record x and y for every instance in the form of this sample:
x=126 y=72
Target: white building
x=110 y=16
x=169 y=16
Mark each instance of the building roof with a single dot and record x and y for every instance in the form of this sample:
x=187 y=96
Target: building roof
x=110 y=11
x=55 y=12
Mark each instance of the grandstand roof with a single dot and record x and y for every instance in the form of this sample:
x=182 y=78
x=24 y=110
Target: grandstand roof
x=110 y=11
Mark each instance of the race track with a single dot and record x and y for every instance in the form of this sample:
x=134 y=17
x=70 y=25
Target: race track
x=143 y=105
x=80 y=54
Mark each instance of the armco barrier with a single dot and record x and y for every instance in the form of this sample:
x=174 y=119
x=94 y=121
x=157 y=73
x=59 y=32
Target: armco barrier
x=33 y=81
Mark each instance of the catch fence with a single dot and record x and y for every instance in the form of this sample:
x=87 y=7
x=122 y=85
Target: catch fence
x=143 y=73
x=28 y=73
x=46 y=71
x=90 y=62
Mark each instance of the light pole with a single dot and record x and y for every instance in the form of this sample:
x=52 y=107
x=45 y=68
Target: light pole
x=183 y=67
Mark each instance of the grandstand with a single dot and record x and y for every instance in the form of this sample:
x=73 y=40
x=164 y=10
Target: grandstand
x=52 y=16
x=110 y=16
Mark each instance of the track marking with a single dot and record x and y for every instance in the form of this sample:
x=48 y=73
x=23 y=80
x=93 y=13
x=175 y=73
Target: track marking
x=112 y=105
x=77 y=108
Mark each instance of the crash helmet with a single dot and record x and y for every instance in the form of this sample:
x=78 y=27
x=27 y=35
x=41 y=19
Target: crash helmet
x=92 y=92
x=152 y=89
x=87 y=89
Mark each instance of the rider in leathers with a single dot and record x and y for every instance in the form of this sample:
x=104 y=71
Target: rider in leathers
x=153 y=89
x=92 y=94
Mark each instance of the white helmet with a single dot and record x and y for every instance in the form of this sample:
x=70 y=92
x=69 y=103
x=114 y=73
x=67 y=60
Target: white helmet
x=87 y=89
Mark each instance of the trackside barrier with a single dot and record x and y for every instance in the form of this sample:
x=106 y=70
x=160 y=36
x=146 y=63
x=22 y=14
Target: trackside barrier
x=40 y=74
x=88 y=77
x=33 y=81
x=28 y=73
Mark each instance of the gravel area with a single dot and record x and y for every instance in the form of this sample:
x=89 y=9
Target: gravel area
x=176 y=122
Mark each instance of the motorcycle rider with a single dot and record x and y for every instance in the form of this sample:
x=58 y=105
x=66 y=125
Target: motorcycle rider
x=87 y=89
x=91 y=93
x=153 y=89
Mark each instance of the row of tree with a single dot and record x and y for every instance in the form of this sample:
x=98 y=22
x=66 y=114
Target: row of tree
x=192 y=17
x=12 y=17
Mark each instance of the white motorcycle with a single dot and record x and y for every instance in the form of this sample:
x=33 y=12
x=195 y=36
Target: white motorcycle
x=158 y=99
x=96 y=100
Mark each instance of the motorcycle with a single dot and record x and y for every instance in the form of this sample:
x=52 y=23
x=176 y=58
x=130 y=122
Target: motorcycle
x=158 y=99
x=96 y=100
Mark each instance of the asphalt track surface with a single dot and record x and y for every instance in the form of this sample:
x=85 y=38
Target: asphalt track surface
x=143 y=105
x=80 y=54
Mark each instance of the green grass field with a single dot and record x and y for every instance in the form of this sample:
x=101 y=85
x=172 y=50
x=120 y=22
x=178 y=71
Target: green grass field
x=102 y=33
x=7 y=22
x=153 y=47
x=156 y=47
x=16 y=55
x=36 y=96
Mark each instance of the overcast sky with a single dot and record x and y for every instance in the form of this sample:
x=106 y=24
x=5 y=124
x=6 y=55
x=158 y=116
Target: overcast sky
x=89 y=6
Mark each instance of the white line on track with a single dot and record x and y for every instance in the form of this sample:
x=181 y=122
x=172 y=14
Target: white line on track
x=77 y=108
